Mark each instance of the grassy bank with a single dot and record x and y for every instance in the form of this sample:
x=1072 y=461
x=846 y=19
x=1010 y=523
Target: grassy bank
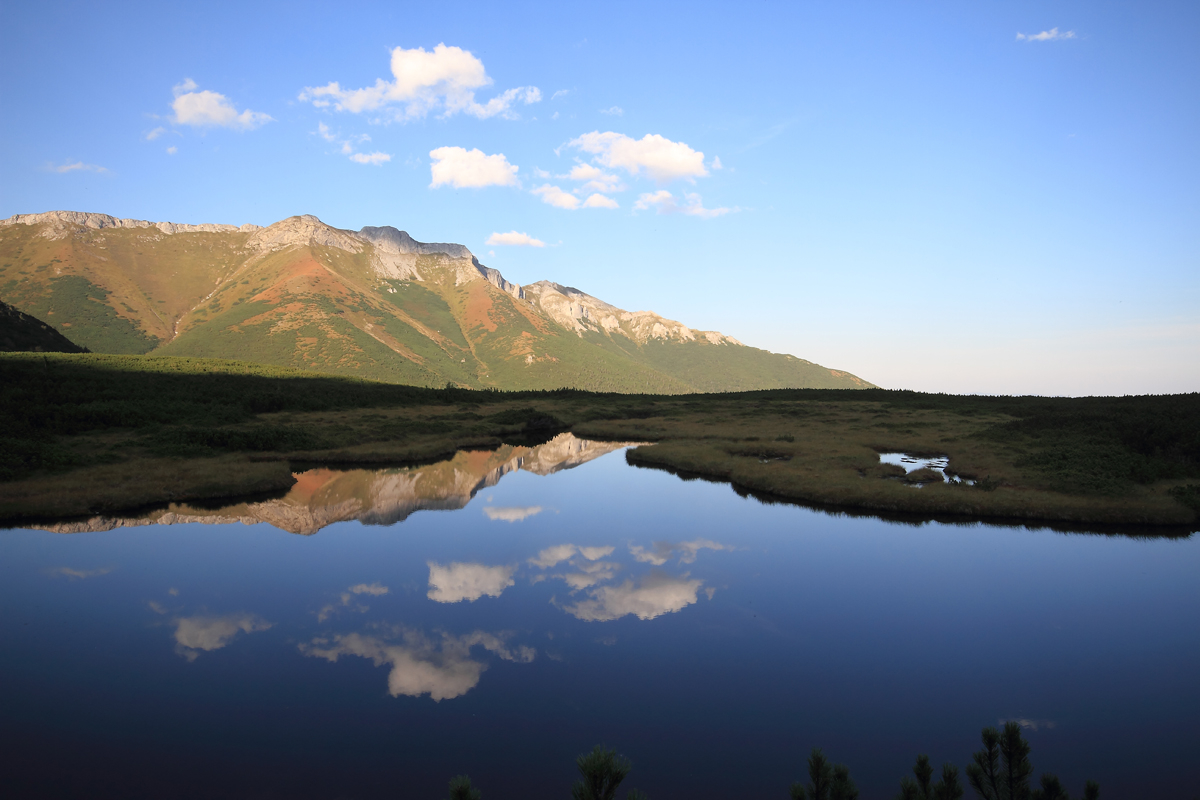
x=87 y=433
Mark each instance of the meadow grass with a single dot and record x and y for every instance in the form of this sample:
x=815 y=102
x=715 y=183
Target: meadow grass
x=85 y=427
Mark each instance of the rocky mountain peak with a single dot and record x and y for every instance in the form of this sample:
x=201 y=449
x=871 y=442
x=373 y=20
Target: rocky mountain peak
x=304 y=230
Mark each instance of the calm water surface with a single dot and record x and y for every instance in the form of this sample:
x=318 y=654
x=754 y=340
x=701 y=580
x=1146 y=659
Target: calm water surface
x=375 y=633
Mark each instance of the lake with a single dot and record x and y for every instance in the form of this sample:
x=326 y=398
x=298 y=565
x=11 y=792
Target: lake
x=373 y=633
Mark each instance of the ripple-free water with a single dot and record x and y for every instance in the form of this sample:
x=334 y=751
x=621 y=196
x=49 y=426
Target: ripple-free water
x=711 y=638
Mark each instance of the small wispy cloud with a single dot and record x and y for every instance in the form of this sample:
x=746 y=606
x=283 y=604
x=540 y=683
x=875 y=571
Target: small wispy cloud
x=614 y=111
x=514 y=239
x=172 y=150
x=560 y=93
x=154 y=134
x=77 y=166
x=1052 y=35
x=663 y=202
x=375 y=159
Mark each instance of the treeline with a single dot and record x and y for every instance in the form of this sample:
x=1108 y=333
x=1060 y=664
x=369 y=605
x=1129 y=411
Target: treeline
x=1001 y=770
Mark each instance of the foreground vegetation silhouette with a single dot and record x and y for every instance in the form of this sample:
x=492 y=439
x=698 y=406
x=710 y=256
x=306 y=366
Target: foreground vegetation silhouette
x=1000 y=771
x=601 y=773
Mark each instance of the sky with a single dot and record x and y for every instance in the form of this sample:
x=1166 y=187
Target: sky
x=984 y=197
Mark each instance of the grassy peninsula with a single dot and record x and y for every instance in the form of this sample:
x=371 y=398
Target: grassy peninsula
x=88 y=433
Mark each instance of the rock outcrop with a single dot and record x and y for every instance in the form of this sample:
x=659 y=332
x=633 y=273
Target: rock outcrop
x=59 y=223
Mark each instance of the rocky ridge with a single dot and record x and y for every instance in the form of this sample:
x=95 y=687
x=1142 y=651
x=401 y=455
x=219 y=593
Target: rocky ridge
x=396 y=255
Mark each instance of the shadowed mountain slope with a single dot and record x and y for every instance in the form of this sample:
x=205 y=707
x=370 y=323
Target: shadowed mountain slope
x=23 y=333
x=374 y=303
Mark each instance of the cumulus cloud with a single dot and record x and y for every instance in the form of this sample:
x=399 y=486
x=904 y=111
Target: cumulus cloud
x=441 y=669
x=615 y=111
x=470 y=169
x=560 y=198
x=444 y=79
x=207 y=109
x=557 y=197
x=600 y=201
x=665 y=203
x=596 y=178
x=657 y=594
x=458 y=581
x=661 y=552
x=77 y=574
x=1051 y=35
x=374 y=159
x=196 y=633
x=656 y=156
x=514 y=239
x=76 y=166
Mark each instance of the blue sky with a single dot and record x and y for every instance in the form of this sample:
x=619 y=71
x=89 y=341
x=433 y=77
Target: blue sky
x=909 y=191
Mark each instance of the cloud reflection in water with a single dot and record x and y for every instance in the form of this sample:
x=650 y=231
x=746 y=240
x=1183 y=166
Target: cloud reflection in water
x=458 y=581
x=201 y=632
x=511 y=514
x=656 y=594
x=443 y=670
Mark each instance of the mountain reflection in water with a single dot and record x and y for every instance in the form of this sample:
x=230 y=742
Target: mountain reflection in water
x=321 y=497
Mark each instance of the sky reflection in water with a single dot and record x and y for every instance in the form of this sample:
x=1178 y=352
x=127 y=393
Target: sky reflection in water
x=712 y=638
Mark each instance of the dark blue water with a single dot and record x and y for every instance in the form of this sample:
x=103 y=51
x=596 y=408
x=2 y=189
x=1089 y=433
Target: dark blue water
x=711 y=638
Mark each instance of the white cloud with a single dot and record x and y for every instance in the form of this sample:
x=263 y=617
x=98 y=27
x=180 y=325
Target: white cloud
x=556 y=197
x=375 y=158
x=716 y=163
x=664 y=202
x=154 y=134
x=686 y=551
x=597 y=179
x=445 y=78
x=560 y=93
x=519 y=240
x=600 y=201
x=659 y=157
x=470 y=169
x=657 y=594
x=1051 y=35
x=77 y=166
x=346 y=146
x=458 y=581
x=442 y=670
x=615 y=111
x=172 y=150
x=540 y=173
x=193 y=634
x=210 y=109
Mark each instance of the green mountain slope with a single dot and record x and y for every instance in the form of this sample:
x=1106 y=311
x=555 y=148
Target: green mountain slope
x=374 y=304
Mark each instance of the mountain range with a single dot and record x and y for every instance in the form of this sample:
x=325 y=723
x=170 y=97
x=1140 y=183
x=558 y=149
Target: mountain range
x=373 y=303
